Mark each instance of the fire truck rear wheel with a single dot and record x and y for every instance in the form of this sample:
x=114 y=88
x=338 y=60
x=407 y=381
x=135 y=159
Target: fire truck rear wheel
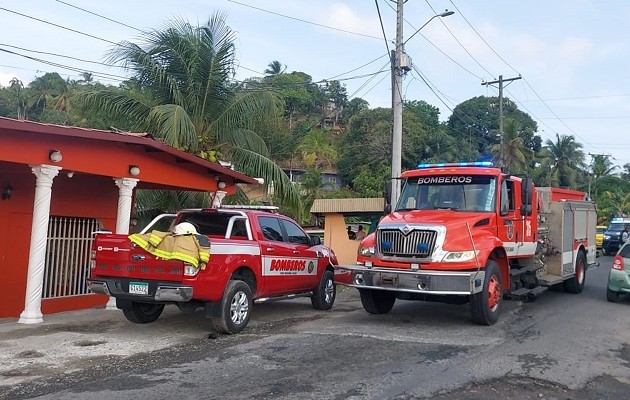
x=324 y=296
x=236 y=308
x=576 y=283
x=377 y=301
x=485 y=306
x=143 y=313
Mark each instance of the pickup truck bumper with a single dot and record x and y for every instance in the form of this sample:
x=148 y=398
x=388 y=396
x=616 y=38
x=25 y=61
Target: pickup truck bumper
x=157 y=291
x=412 y=281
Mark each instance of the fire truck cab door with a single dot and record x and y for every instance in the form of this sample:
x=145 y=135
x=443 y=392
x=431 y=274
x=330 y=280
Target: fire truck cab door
x=510 y=221
x=288 y=264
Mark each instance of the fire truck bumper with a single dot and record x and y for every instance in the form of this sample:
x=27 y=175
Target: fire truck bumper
x=413 y=281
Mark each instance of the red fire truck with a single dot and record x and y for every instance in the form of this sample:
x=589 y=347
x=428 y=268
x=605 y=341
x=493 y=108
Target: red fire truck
x=467 y=232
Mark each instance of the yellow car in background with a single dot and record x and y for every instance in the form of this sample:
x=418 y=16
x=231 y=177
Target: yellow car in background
x=599 y=236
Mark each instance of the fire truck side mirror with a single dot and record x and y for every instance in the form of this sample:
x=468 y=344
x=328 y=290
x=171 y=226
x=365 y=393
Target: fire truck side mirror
x=387 y=194
x=527 y=196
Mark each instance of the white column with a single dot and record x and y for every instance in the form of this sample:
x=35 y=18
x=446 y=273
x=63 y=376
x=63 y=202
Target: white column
x=32 y=313
x=218 y=198
x=125 y=191
x=123 y=217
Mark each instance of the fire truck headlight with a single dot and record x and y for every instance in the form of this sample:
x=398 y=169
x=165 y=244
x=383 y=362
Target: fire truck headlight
x=365 y=251
x=190 y=270
x=460 y=256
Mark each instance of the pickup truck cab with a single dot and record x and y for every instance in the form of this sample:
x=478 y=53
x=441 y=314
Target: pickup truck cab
x=255 y=254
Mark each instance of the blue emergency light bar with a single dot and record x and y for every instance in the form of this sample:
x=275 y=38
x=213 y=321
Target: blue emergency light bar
x=461 y=164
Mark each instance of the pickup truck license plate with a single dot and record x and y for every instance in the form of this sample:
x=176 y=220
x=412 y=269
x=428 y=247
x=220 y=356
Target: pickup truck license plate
x=138 y=288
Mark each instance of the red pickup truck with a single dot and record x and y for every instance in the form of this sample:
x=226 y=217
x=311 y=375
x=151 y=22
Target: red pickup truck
x=255 y=254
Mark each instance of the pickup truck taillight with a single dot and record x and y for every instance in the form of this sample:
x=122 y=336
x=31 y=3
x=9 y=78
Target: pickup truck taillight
x=190 y=270
x=618 y=263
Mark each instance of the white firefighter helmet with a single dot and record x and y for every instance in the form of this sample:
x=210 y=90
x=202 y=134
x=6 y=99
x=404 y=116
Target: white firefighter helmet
x=184 y=228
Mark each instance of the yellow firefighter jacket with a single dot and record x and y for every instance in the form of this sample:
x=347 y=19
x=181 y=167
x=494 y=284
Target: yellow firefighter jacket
x=165 y=245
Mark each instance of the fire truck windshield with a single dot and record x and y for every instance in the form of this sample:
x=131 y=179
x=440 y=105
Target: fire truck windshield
x=452 y=192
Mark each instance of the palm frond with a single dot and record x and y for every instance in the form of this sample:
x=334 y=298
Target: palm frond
x=173 y=124
x=117 y=102
x=259 y=166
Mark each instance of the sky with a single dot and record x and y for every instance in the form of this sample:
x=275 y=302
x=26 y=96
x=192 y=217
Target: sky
x=572 y=55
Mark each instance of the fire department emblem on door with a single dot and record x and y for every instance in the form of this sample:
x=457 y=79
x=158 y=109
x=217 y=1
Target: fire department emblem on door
x=509 y=225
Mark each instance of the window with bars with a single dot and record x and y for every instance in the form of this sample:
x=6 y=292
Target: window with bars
x=67 y=263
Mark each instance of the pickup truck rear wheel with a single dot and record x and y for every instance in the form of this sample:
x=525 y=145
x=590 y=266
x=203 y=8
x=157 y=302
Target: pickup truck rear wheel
x=236 y=308
x=324 y=296
x=485 y=306
x=576 y=283
x=377 y=301
x=143 y=313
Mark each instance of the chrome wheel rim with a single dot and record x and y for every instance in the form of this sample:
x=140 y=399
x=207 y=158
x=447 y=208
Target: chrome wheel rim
x=329 y=291
x=239 y=308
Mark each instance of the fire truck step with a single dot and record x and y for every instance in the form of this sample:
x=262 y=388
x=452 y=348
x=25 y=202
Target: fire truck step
x=525 y=294
x=550 y=280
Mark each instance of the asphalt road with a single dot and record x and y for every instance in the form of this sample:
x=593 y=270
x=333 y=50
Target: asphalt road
x=561 y=346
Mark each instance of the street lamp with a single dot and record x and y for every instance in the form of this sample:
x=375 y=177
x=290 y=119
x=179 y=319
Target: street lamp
x=400 y=64
x=444 y=14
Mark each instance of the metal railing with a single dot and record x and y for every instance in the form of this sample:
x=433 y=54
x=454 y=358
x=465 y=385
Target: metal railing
x=67 y=262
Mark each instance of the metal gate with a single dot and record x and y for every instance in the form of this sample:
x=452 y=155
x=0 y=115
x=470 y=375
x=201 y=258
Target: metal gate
x=68 y=256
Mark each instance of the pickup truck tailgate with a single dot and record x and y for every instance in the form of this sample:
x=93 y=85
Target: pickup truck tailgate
x=116 y=256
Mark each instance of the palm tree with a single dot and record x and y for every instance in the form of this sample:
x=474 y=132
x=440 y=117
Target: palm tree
x=17 y=87
x=275 y=68
x=565 y=157
x=600 y=168
x=511 y=153
x=317 y=150
x=181 y=91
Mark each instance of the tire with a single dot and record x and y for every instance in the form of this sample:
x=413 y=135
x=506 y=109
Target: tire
x=324 y=296
x=611 y=296
x=143 y=313
x=485 y=306
x=236 y=308
x=377 y=301
x=576 y=283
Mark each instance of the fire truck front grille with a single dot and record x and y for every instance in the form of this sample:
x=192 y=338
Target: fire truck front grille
x=415 y=244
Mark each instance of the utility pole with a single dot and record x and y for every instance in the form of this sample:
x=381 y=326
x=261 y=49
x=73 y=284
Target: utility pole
x=397 y=107
x=500 y=81
x=401 y=64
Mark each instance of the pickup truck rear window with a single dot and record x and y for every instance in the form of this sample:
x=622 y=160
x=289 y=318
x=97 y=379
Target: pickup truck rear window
x=210 y=224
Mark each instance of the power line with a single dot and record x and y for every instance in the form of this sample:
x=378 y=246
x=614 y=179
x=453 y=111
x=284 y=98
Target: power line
x=380 y=19
x=436 y=47
x=58 y=26
x=481 y=37
x=100 y=16
x=75 y=69
x=457 y=40
x=304 y=21
x=59 y=55
x=581 y=97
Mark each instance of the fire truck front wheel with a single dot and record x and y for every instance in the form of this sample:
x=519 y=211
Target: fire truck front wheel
x=485 y=306
x=236 y=308
x=143 y=313
x=377 y=301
